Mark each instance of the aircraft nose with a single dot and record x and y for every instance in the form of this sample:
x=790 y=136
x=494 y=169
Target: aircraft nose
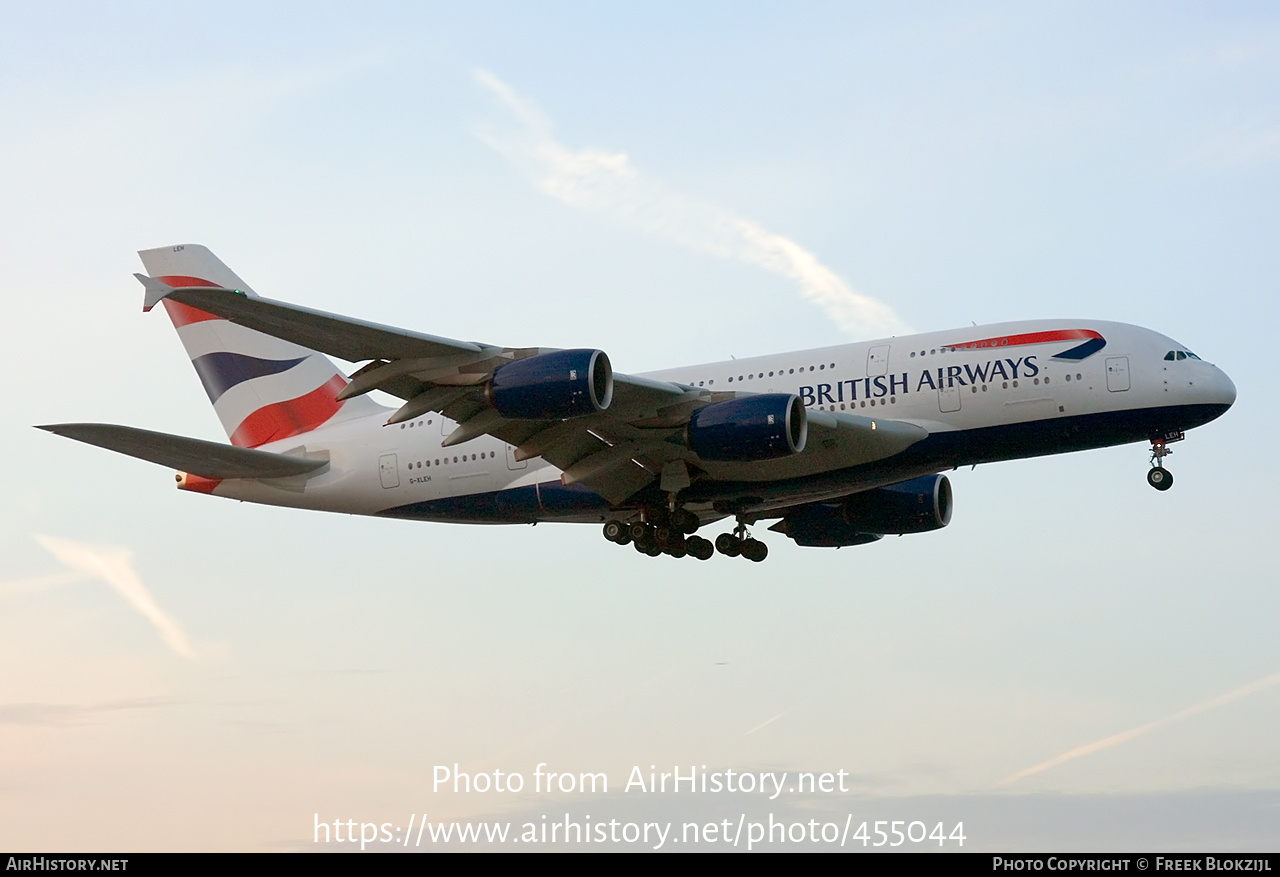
x=1222 y=389
x=1216 y=393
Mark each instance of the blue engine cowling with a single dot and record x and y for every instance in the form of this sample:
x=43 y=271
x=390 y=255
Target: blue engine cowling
x=915 y=506
x=751 y=428
x=549 y=386
x=821 y=525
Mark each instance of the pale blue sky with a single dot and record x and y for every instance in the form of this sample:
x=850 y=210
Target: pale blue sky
x=978 y=163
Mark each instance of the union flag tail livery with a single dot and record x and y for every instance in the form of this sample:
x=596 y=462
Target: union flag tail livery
x=263 y=389
x=840 y=445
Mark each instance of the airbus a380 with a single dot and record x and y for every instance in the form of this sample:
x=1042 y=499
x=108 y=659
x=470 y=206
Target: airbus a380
x=841 y=445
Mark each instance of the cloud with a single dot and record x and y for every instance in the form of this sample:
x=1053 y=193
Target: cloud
x=598 y=180
x=1134 y=733
x=71 y=713
x=115 y=567
x=14 y=587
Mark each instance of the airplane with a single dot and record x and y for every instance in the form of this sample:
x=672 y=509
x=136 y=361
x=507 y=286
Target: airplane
x=839 y=445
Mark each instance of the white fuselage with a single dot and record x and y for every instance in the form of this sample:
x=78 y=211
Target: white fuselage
x=983 y=393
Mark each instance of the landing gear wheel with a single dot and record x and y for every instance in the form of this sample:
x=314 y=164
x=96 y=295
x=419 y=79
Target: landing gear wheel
x=754 y=550
x=728 y=545
x=685 y=521
x=677 y=546
x=700 y=548
x=1160 y=478
x=616 y=531
x=639 y=532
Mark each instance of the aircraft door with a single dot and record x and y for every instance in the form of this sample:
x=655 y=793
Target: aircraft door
x=389 y=471
x=1117 y=373
x=512 y=462
x=878 y=360
x=949 y=398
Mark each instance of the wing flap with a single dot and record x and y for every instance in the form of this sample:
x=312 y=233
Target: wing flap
x=194 y=456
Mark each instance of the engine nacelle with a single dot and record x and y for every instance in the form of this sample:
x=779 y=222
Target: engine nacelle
x=914 y=506
x=751 y=428
x=821 y=525
x=551 y=386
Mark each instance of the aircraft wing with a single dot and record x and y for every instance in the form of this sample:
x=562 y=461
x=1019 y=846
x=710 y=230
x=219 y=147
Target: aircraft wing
x=632 y=442
x=195 y=456
x=343 y=337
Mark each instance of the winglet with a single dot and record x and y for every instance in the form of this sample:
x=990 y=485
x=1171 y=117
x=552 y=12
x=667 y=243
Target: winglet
x=155 y=291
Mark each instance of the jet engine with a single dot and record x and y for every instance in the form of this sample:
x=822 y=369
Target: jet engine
x=748 y=429
x=558 y=385
x=821 y=525
x=915 y=506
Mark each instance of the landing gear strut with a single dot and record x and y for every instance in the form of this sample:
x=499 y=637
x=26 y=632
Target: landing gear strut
x=740 y=543
x=1157 y=476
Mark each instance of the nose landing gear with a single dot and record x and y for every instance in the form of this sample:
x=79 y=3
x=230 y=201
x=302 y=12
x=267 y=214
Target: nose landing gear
x=1157 y=476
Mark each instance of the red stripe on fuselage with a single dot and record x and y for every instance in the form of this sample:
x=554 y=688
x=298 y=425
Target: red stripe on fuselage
x=281 y=420
x=1026 y=338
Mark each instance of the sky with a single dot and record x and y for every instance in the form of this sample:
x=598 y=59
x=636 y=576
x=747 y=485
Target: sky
x=1076 y=662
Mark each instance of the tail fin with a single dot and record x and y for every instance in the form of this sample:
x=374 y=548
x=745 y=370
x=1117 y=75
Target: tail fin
x=262 y=388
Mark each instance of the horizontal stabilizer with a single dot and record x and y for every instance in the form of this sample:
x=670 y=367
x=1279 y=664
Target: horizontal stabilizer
x=194 y=456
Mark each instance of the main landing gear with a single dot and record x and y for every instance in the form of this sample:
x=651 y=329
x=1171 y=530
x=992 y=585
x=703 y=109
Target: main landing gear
x=667 y=532
x=672 y=533
x=739 y=543
x=1157 y=476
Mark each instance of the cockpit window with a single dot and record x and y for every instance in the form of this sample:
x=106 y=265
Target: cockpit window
x=1192 y=355
x=1180 y=354
x=1169 y=356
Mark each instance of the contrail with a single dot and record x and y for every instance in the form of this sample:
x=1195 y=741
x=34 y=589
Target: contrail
x=1125 y=736
x=116 y=569
x=594 y=179
x=767 y=722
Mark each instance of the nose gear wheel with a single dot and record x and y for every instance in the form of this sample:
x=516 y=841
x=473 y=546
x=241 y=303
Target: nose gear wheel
x=1157 y=476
